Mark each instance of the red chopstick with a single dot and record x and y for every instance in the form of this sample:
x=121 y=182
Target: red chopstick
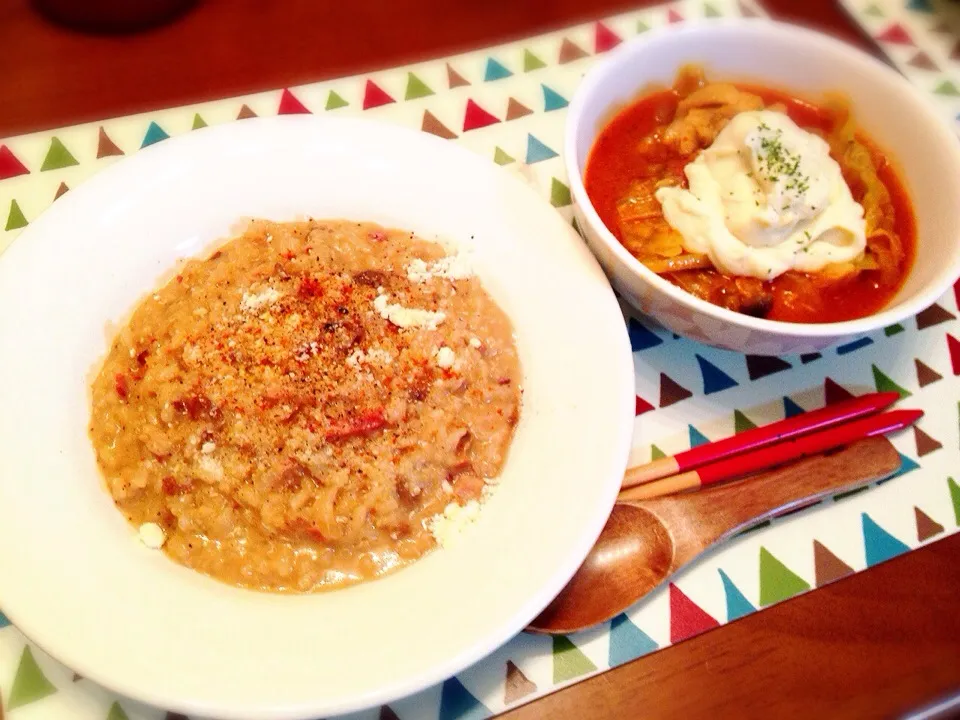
x=768 y=457
x=759 y=437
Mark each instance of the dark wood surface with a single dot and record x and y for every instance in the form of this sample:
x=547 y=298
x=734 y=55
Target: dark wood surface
x=873 y=645
x=879 y=644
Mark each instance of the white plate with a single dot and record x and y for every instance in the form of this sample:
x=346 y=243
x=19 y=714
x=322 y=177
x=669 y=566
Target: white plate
x=73 y=577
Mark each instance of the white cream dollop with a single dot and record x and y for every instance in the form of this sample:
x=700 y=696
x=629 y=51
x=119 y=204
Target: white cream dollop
x=764 y=198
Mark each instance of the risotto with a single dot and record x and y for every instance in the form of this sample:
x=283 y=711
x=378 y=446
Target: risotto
x=293 y=412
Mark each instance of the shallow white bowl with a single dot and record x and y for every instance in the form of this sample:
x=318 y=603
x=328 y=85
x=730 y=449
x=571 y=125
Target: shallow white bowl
x=885 y=105
x=76 y=581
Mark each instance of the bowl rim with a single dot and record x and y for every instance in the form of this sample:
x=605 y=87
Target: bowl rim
x=872 y=68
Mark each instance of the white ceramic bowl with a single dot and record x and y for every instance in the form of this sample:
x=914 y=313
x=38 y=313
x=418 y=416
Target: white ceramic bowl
x=886 y=106
x=74 y=578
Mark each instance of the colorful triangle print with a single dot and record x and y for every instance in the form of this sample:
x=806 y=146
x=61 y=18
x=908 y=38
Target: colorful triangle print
x=737 y=604
x=291 y=105
x=641 y=337
x=833 y=392
x=954 y=498
x=873 y=11
x=642 y=27
x=387 y=713
x=710 y=11
x=552 y=100
x=926 y=375
x=458 y=703
x=3 y=620
x=714 y=379
x=895 y=33
x=906 y=465
x=920 y=6
x=570 y=52
x=495 y=71
x=894 y=329
x=374 y=96
x=746 y=10
x=855 y=345
x=759 y=366
x=77 y=677
x=696 y=437
x=656 y=453
x=57 y=156
x=827 y=567
x=686 y=617
x=455 y=79
x=741 y=422
x=933 y=315
x=810 y=357
x=335 y=101
x=516 y=110
x=500 y=157
x=532 y=62
x=927 y=527
x=605 y=38
x=885 y=384
x=10 y=166
x=61 y=189
x=29 y=684
x=879 y=545
x=416 y=88
x=568 y=660
x=673 y=16
x=576 y=226
x=953 y=345
x=627 y=641
x=777 y=581
x=559 y=194
x=245 y=112
x=790 y=408
x=956 y=293
x=476 y=117
x=15 y=218
x=537 y=151
x=671 y=391
x=117 y=712
x=923 y=61
x=198 y=122
x=517 y=685
x=947 y=88
x=642 y=406
x=430 y=124
x=154 y=134
x=841 y=496
x=925 y=443
x=107 y=147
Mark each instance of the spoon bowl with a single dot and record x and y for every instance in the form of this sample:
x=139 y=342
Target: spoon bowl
x=632 y=556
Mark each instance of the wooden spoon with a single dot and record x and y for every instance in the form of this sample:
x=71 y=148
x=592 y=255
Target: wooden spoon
x=645 y=542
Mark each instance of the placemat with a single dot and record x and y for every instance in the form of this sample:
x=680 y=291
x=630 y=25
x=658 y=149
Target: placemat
x=922 y=39
x=507 y=103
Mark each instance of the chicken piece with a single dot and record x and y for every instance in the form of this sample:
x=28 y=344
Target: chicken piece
x=704 y=113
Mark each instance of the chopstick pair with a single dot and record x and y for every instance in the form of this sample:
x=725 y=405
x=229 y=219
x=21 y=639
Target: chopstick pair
x=767 y=446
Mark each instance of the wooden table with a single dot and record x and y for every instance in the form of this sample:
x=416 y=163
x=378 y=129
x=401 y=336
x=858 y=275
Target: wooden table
x=877 y=644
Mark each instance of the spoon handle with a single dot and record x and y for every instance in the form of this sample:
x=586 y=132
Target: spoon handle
x=704 y=517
